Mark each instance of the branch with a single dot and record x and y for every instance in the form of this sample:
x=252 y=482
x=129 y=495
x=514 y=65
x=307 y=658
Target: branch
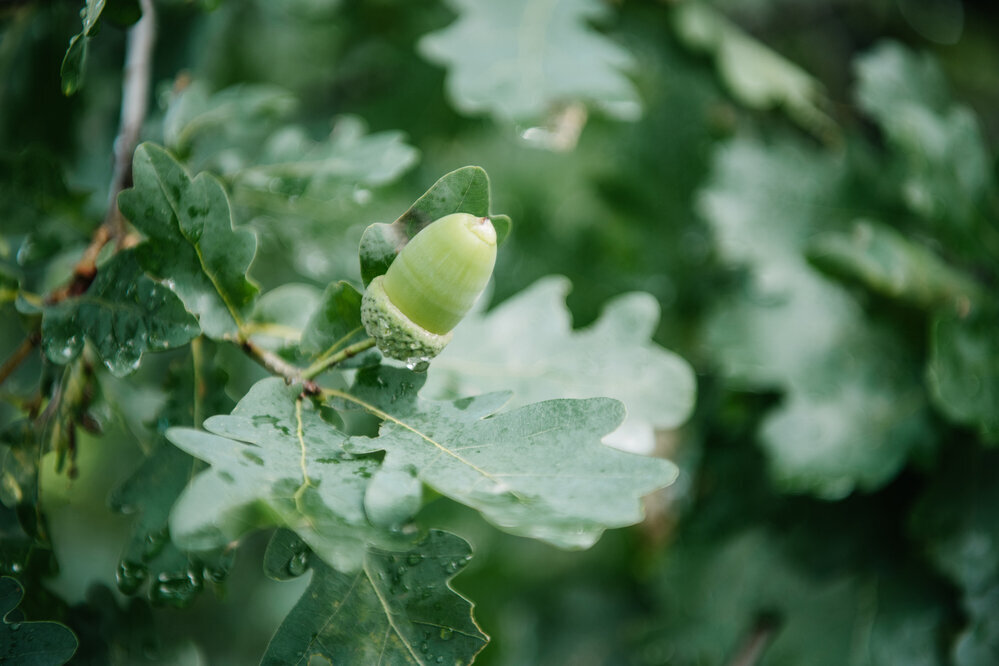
x=134 y=105
x=21 y=353
x=294 y=374
x=278 y=366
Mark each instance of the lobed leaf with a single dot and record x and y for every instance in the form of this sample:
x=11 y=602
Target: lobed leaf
x=546 y=359
x=150 y=560
x=30 y=643
x=518 y=59
x=539 y=471
x=124 y=314
x=398 y=608
x=275 y=461
x=945 y=167
x=887 y=262
x=757 y=76
x=854 y=411
x=191 y=243
x=963 y=369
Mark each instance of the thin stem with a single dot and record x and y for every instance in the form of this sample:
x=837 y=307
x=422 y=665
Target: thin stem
x=324 y=364
x=21 y=353
x=199 y=385
x=271 y=361
x=335 y=347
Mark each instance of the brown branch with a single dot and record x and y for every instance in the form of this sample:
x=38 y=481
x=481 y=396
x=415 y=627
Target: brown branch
x=278 y=366
x=134 y=106
x=21 y=353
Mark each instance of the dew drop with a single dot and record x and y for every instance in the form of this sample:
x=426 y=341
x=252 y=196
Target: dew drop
x=446 y=633
x=154 y=543
x=298 y=563
x=413 y=559
x=130 y=576
x=418 y=363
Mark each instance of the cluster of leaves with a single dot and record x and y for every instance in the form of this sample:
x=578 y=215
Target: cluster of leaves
x=814 y=226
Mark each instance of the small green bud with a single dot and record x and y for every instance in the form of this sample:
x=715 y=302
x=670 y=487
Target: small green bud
x=433 y=283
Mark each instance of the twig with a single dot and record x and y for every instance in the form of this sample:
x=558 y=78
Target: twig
x=763 y=632
x=324 y=364
x=294 y=374
x=134 y=105
x=21 y=353
x=278 y=366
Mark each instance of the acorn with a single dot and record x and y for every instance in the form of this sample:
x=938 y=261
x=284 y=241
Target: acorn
x=433 y=283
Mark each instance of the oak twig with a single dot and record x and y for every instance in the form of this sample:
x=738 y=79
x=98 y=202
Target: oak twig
x=21 y=353
x=134 y=106
x=278 y=366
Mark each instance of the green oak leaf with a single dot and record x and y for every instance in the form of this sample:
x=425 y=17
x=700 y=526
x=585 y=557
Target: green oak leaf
x=204 y=123
x=464 y=190
x=299 y=168
x=518 y=59
x=174 y=576
x=74 y=62
x=241 y=133
x=539 y=471
x=30 y=643
x=963 y=369
x=275 y=461
x=854 y=411
x=398 y=608
x=191 y=244
x=757 y=76
x=887 y=262
x=945 y=167
x=954 y=518
x=613 y=357
x=123 y=314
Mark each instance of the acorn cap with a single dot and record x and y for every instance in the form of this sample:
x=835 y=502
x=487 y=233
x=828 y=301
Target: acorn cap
x=397 y=336
x=430 y=287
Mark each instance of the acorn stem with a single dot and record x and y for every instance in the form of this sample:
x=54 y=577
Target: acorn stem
x=350 y=351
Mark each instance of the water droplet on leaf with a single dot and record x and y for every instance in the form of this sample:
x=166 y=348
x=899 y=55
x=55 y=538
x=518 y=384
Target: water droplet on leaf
x=298 y=563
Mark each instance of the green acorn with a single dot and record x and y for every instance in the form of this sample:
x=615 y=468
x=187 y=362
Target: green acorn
x=411 y=310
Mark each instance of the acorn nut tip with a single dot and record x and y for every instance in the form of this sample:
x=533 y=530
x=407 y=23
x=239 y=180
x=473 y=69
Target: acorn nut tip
x=433 y=283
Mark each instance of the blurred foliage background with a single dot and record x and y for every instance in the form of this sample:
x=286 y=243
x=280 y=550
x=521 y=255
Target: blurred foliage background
x=808 y=190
